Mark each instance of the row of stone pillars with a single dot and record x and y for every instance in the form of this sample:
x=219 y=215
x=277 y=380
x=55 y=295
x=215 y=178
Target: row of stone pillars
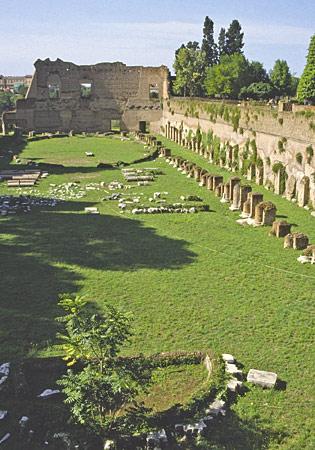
x=241 y=197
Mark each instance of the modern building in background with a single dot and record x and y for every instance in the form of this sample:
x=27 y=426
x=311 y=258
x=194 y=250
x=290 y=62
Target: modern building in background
x=11 y=82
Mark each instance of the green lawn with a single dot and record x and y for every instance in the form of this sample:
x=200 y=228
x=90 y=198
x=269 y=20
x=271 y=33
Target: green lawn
x=192 y=282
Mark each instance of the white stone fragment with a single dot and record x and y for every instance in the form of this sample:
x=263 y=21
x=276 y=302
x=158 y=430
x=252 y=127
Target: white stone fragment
x=23 y=421
x=5 y=438
x=234 y=385
x=304 y=259
x=313 y=213
x=262 y=378
x=48 y=393
x=232 y=369
x=5 y=369
x=3 y=414
x=228 y=358
x=216 y=407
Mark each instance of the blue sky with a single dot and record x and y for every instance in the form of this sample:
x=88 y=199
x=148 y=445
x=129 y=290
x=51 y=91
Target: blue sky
x=140 y=32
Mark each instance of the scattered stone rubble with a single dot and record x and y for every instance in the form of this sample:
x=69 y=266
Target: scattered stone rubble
x=182 y=431
x=23 y=204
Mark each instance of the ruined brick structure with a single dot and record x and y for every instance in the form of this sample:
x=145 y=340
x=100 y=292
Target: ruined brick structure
x=65 y=96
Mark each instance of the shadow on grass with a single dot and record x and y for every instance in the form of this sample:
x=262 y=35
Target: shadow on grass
x=36 y=250
x=234 y=433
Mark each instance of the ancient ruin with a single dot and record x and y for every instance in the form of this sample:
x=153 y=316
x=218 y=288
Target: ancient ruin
x=65 y=96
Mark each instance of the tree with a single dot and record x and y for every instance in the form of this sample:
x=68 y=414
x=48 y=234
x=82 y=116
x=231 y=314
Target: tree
x=189 y=67
x=7 y=101
x=228 y=77
x=234 y=39
x=106 y=384
x=257 y=91
x=221 y=42
x=281 y=78
x=306 y=87
x=257 y=73
x=209 y=47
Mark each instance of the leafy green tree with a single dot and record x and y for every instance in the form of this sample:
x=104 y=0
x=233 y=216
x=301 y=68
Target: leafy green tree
x=106 y=383
x=306 y=87
x=281 y=78
x=7 y=101
x=257 y=73
x=189 y=67
x=257 y=91
x=234 y=38
x=221 y=42
x=228 y=77
x=209 y=47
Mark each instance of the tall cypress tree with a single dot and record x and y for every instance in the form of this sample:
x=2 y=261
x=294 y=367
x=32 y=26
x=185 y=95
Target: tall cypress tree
x=306 y=88
x=221 y=42
x=234 y=38
x=208 y=44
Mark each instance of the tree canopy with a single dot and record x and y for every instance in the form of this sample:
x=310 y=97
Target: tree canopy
x=306 y=87
x=234 y=38
x=189 y=66
x=281 y=78
x=228 y=77
x=209 y=47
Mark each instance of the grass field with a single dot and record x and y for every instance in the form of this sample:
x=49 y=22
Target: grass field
x=192 y=282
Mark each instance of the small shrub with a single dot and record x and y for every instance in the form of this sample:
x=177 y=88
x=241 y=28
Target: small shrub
x=299 y=158
x=241 y=130
x=281 y=147
x=277 y=166
x=268 y=162
x=280 y=120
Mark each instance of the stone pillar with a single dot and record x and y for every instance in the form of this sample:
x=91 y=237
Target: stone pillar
x=203 y=179
x=269 y=213
x=303 y=192
x=210 y=182
x=217 y=179
x=259 y=211
x=245 y=190
x=280 y=229
x=219 y=190
x=197 y=171
x=251 y=172
x=255 y=198
x=236 y=197
x=300 y=241
x=290 y=188
x=180 y=137
x=278 y=183
x=226 y=192
x=233 y=182
x=229 y=156
x=259 y=176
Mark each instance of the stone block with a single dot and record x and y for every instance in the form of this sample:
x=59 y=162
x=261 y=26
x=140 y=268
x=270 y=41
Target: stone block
x=280 y=229
x=262 y=378
x=228 y=358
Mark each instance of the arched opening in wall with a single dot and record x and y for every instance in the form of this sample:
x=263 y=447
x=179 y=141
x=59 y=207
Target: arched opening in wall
x=86 y=89
x=115 y=125
x=154 y=92
x=54 y=86
x=53 y=91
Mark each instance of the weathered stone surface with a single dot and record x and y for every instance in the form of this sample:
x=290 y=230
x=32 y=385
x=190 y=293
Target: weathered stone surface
x=280 y=229
x=56 y=99
x=262 y=378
